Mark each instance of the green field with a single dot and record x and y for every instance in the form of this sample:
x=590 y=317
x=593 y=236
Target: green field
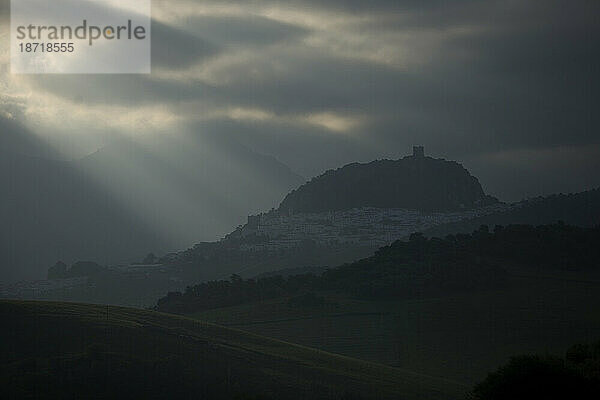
x=68 y=350
x=458 y=337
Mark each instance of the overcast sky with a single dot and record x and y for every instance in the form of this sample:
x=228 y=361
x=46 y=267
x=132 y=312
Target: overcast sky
x=510 y=88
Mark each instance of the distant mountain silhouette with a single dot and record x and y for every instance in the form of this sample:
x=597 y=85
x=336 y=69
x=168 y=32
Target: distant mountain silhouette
x=125 y=200
x=193 y=187
x=413 y=182
x=50 y=211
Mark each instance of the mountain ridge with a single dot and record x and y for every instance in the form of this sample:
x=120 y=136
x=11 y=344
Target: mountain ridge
x=414 y=182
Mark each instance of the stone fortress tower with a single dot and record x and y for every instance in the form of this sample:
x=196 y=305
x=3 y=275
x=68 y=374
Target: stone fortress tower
x=418 y=151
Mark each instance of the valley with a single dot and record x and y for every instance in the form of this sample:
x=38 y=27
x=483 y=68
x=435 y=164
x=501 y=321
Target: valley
x=459 y=337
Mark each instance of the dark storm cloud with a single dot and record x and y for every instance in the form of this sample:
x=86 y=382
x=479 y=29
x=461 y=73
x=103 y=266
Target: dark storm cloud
x=248 y=30
x=360 y=5
x=175 y=48
x=465 y=78
x=125 y=90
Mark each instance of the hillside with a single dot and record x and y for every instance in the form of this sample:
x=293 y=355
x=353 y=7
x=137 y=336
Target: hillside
x=580 y=209
x=416 y=268
x=458 y=336
x=156 y=193
x=50 y=210
x=71 y=350
x=209 y=182
x=456 y=307
x=413 y=182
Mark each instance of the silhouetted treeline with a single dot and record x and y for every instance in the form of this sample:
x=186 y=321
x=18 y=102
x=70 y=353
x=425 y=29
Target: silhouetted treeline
x=580 y=209
x=418 y=267
x=577 y=375
x=215 y=294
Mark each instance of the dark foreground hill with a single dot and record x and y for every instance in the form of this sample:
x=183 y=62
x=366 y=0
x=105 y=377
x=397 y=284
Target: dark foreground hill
x=414 y=182
x=60 y=350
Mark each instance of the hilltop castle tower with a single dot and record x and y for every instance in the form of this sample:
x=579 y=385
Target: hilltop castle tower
x=418 y=151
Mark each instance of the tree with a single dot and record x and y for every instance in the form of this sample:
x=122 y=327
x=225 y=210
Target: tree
x=545 y=377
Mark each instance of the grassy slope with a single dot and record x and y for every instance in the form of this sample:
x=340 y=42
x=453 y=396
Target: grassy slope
x=459 y=337
x=163 y=355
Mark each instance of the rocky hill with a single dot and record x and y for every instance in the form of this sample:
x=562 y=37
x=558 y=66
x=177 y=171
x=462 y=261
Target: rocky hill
x=414 y=182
